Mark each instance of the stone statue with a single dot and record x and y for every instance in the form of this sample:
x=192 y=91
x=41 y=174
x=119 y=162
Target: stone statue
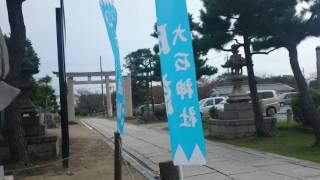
x=236 y=62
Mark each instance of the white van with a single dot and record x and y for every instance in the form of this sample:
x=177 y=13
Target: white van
x=208 y=103
x=269 y=102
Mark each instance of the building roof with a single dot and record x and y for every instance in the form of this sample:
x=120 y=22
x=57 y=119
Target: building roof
x=279 y=87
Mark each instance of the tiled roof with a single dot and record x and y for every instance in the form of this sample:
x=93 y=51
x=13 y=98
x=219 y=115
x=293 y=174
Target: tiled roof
x=225 y=90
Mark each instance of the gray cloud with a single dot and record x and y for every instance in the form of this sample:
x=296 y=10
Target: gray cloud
x=87 y=38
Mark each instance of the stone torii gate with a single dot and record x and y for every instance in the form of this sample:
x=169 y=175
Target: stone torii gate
x=71 y=82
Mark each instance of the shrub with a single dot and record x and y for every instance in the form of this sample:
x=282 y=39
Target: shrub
x=82 y=112
x=214 y=113
x=298 y=108
x=160 y=113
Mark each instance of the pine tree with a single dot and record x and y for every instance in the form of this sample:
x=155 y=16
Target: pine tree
x=286 y=26
x=227 y=21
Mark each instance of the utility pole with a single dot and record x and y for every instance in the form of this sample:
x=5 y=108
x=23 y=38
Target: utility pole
x=102 y=93
x=63 y=88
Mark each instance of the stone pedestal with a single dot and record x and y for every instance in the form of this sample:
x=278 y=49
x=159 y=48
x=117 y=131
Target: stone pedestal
x=236 y=111
x=237 y=121
x=232 y=129
x=33 y=122
x=238 y=94
x=42 y=147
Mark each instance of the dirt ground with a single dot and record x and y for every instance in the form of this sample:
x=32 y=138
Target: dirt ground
x=91 y=158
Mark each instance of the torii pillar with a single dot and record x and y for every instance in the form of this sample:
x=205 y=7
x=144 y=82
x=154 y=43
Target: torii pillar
x=109 y=101
x=128 y=95
x=70 y=97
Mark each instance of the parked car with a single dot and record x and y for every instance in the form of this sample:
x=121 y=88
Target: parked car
x=286 y=98
x=208 y=103
x=269 y=102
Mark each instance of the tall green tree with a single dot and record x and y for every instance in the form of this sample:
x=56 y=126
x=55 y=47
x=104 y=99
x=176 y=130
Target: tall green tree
x=141 y=64
x=287 y=26
x=43 y=94
x=227 y=21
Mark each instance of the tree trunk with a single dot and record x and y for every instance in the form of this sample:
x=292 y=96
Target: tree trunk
x=258 y=116
x=148 y=96
x=16 y=135
x=309 y=108
x=15 y=132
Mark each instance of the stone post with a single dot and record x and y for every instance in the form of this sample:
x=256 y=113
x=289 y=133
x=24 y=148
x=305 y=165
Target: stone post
x=168 y=171
x=318 y=66
x=109 y=101
x=70 y=98
x=128 y=95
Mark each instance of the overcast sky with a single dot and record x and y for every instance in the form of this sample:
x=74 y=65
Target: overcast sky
x=87 y=38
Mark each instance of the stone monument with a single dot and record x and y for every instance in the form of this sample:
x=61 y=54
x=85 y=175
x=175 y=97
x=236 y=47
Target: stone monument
x=41 y=145
x=237 y=119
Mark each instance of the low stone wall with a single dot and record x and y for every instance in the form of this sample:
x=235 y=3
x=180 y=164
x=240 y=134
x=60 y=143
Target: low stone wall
x=232 y=129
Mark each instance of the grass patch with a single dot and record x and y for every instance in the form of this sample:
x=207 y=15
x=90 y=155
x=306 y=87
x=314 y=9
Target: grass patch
x=289 y=140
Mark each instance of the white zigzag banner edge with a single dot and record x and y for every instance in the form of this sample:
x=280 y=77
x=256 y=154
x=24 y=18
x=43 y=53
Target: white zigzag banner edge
x=197 y=157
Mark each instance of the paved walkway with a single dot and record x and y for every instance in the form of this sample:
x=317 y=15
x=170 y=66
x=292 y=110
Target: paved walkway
x=150 y=144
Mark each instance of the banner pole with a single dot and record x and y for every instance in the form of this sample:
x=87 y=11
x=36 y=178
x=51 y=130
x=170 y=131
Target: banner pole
x=181 y=172
x=63 y=88
x=117 y=156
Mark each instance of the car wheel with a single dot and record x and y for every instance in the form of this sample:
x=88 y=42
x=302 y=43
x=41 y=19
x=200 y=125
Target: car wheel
x=271 y=112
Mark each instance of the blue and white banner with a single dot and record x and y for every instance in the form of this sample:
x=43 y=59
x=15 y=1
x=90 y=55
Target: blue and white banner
x=179 y=83
x=110 y=17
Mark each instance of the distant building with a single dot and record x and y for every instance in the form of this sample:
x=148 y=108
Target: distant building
x=279 y=88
